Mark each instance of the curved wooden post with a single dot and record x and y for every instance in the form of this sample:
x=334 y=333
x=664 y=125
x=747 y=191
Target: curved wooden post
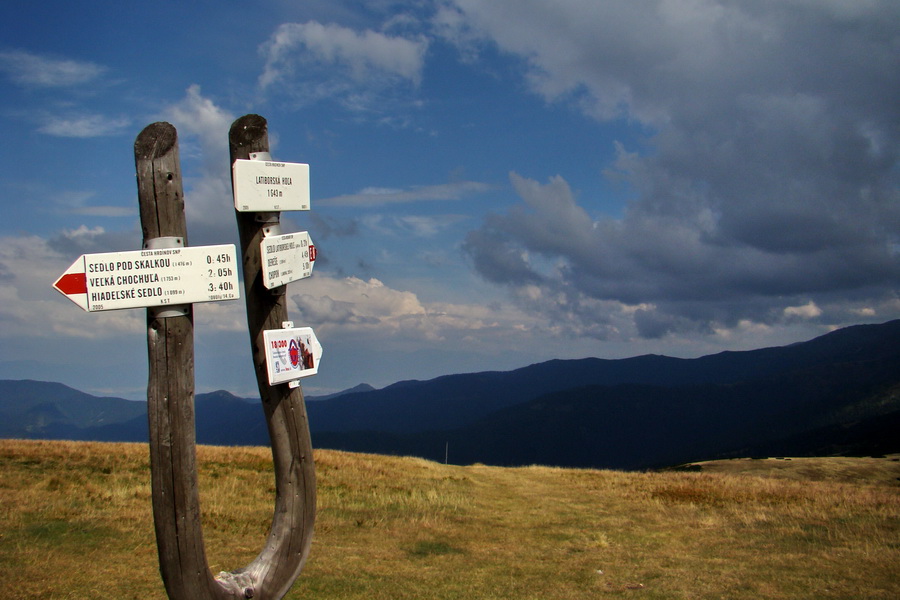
x=279 y=564
x=170 y=397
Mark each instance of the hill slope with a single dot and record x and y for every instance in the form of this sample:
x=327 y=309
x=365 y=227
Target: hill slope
x=406 y=528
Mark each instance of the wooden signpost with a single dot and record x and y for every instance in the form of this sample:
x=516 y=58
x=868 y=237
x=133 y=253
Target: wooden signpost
x=170 y=390
x=166 y=277
x=284 y=555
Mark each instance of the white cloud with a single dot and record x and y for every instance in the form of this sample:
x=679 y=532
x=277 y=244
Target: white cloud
x=33 y=70
x=88 y=240
x=199 y=118
x=203 y=128
x=83 y=125
x=806 y=311
x=60 y=77
x=421 y=226
x=354 y=306
x=357 y=303
x=364 y=55
x=369 y=73
x=83 y=231
x=229 y=316
x=375 y=196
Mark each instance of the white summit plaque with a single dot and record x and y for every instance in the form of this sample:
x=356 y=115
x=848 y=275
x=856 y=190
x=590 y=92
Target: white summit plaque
x=291 y=353
x=270 y=186
x=286 y=258
x=145 y=278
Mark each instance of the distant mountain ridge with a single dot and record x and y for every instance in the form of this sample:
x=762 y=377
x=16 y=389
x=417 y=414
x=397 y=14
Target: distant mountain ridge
x=30 y=407
x=454 y=401
x=837 y=393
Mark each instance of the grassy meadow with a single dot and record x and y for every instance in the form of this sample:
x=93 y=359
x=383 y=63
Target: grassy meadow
x=75 y=522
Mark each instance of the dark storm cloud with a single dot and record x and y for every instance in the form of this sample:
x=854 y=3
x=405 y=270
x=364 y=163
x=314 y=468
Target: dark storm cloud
x=773 y=175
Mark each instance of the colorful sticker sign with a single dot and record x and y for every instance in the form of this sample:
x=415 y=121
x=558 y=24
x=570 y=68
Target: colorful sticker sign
x=291 y=354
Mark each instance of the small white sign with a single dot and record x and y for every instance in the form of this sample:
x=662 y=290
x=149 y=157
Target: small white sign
x=291 y=354
x=269 y=186
x=286 y=258
x=145 y=278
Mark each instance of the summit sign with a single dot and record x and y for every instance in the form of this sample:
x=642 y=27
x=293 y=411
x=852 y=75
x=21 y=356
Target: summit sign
x=270 y=186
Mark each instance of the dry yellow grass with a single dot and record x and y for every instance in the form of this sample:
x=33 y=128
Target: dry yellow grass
x=75 y=522
x=863 y=470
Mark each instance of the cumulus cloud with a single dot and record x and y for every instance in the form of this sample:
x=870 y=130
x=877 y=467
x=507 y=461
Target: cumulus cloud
x=770 y=178
x=356 y=303
x=314 y=61
x=806 y=311
x=355 y=306
x=686 y=277
x=203 y=127
x=204 y=122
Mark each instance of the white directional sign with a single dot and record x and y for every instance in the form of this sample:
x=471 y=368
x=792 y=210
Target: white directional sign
x=269 y=186
x=286 y=258
x=145 y=278
x=291 y=354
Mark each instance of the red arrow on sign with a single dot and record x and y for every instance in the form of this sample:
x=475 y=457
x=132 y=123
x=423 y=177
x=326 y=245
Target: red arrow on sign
x=72 y=283
x=312 y=253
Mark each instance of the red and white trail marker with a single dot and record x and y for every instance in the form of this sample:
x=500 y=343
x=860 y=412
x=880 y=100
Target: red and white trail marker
x=146 y=278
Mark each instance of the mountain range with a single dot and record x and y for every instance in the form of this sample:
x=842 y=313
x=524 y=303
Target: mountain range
x=835 y=394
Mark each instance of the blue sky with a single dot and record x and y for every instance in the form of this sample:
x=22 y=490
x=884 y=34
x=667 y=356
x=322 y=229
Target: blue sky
x=494 y=184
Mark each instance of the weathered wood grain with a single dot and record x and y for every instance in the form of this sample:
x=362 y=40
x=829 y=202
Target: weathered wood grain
x=170 y=389
x=279 y=564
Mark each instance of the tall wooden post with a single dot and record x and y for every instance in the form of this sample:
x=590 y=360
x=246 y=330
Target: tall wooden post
x=281 y=561
x=170 y=391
